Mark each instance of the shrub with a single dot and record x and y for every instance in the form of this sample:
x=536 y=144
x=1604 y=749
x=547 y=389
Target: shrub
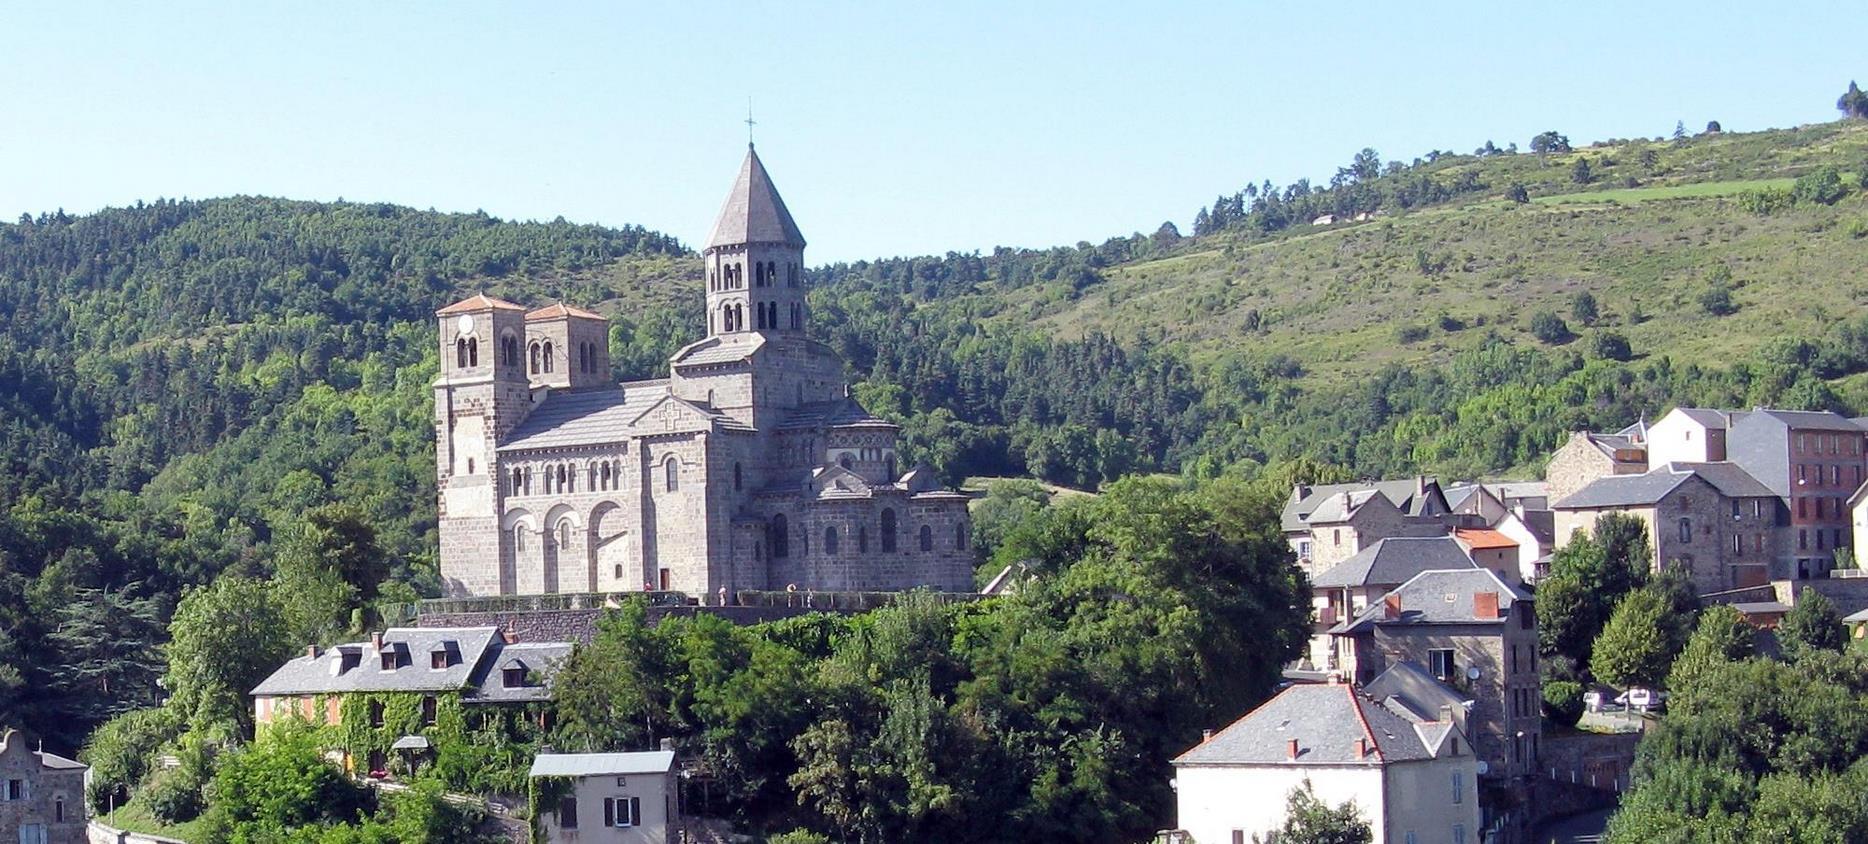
x=1580 y=172
x=1563 y=702
x=119 y=752
x=798 y=836
x=173 y=796
x=1407 y=333
x=1821 y=187
x=1517 y=193
x=1583 y=308
x=1764 y=202
x=1549 y=328
x=1717 y=300
x=1609 y=345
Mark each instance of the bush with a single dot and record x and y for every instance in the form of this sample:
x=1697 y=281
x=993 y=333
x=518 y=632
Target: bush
x=173 y=796
x=1583 y=308
x=1609 y=345
x=1406 y=333
x=1580 y=172
x=798 y=836
x=1717 y=300
x=119 y=752
x=1820 y=187
x=1563 y=702
x=1517 y=193
x=1764 y=202
x=1549 y=328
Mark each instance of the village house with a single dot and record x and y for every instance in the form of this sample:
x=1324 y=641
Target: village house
x=1473 y=631
x=1344 y=590
x=1328 y=523
x=1813 y=461
x=480 y=670
x=1588 y=456
x=1413 y=779
x=615 y=798
x=41 y=794
x=1714 y=519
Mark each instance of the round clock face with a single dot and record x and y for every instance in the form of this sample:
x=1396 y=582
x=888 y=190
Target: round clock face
x=464 y=324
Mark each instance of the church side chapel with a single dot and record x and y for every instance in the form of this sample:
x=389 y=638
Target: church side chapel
x=749 y=467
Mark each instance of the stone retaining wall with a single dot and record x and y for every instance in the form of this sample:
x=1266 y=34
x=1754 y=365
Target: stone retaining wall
x=580 y=626
x=100 y=834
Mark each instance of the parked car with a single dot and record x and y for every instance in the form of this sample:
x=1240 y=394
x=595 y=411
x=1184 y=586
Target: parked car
x=1642 y=699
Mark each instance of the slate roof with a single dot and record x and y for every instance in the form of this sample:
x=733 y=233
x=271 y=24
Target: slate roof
x=722 y=348
x=1340 y=507
x=1811 y=420
x=837 y=413
x=1326 y=720
x=602 y=764
x=1425 y=600
x=1705 y=416
x=55 y=762
x=1610 y=443
x=474 y=673
x=753 y=212
x=479 y=302
x=1403 y=493
x=561 y=310
x=1393 y=561
x=1645 y=489
x=542 y=658
x=1411 y=692
x=582 y=417
x=1456 y=495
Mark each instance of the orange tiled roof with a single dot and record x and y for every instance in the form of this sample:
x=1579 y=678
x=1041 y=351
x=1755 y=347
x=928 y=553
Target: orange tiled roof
x=1484 y=538
x=560 y=310
x=479 y=302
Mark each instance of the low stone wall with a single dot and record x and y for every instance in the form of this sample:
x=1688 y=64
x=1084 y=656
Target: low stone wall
x=1595 y=760
x=1849 y=594
x=100 y=834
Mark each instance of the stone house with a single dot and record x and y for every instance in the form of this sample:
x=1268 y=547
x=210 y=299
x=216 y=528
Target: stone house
x=41 y=794
x=1588 y=456
x=1472 y=631
x=475 y=671
x=617 y=798
x=1715 y=519
x=1343 y=591
x=1328 y=523
x=749 y=467
x=1813 y=461
x=1414 y=780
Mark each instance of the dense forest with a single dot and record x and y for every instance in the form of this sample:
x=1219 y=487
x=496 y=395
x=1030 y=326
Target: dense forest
x=187 y=389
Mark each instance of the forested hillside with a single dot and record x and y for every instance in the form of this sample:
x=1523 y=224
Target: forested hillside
x=186 y=386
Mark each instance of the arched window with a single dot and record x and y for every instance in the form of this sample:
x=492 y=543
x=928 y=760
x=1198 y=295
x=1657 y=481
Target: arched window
x=518 y=480
x=758 y=315
x=563 y=478
x=518 y=539
x=564 y=533
x=736 y=477
x=535 y=351
x=844 y=460
x=862 y=538
x=888 y=529
x=739 y=317
x=469 y=465
x=548 y=356
x=605 y=471
x=959 y=537
x=927 y=538
x=473 y=351
x=830 y=540
x=460 y=353
x=509 y=346
x=671 y=474
x=758 y=275
x=778 y=535
x=797 y=315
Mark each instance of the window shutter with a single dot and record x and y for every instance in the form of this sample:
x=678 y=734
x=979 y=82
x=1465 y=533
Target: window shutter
x=609 y=811
x=635 y=811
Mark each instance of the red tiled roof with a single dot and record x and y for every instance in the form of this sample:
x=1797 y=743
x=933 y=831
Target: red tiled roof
x=1484 y=538
x=479 y=302
x=559 y=311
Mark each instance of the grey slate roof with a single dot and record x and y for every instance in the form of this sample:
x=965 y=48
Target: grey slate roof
x=581 y=417
x=1706 y=416
x=472 y=673
x=1457 y=494
x=753 y=212
x=1403 y=493
x=1645 y=489
x=1393 y=560
x=837 y=413
x=1411 y=692
x=1812 y=420
x=1439 y=597
x=720 y=348
x=55 y=762
x=1610 y=443
x=1326 y=720
x=541 y=658
x=602 y=764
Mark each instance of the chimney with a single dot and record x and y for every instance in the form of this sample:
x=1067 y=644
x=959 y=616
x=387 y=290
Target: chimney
x=1446 y=713
x=509 y=637
x=1391 y=606
x=1206 y=736
x=1293 y=746
x=1485 y=605
x=1420 y=484
x=311 y=651
x=667 y=744
x=1300 y=492
x=1362 y=747
x=376 y=640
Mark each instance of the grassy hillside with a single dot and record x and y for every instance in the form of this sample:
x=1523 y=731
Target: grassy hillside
x=1336 y=297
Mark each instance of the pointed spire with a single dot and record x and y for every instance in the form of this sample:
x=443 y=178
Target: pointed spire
x=753 y=212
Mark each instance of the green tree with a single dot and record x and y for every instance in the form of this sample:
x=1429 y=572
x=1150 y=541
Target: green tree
x=1634 y=648
x=614 y=694
x=1545 y=143
x=224 y=639
x=107 y=646
x=1853 y=103
x=1812 y=625
x=1610 y=345
x=1822 y=186
x=1580 y=173
x=1517 y=193
x=1547 y=327
x=1583 y=308
x=1563 y=702
x=281 y=784
x=1721 y=636
x=1309 y=820
x=1717 y=300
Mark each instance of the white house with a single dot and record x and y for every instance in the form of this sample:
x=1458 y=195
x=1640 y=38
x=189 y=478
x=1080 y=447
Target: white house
x=615 y=798
x=1412 y=779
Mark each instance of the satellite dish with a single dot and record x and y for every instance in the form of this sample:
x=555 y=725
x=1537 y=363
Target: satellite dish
x=1484 y=768
x=1472 y=672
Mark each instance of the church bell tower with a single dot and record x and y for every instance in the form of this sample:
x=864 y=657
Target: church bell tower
x=755 y=260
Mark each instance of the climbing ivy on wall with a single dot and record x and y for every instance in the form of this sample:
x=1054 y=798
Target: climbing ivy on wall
x=473 y=749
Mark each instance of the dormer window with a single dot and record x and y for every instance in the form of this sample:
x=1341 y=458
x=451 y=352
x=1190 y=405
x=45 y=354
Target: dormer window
x=444 y=655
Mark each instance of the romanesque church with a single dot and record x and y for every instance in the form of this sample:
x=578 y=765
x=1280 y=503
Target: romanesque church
x=748 y=467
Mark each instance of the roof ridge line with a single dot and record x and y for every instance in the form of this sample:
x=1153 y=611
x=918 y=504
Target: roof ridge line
x=1368 y=732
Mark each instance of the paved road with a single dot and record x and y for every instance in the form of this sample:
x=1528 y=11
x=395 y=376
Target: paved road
x=1581 y=829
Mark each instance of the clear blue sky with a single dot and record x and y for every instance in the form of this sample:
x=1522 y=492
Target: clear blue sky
x=891 y=128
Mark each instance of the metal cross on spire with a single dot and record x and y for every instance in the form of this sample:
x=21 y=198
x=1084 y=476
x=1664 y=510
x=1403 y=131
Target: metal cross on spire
x=749 y=123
